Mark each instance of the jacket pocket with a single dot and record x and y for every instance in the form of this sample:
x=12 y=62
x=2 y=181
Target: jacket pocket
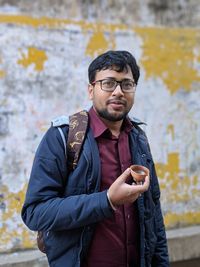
x=61 y=243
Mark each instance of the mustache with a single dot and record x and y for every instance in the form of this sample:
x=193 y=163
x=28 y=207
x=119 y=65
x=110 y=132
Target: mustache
x=116 y=101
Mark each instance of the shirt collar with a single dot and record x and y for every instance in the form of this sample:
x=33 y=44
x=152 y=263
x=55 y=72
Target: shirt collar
x=98 y=127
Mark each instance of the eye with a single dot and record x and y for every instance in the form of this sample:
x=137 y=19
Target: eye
x=128 y=84
x=108 y=83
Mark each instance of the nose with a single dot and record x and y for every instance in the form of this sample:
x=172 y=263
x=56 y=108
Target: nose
x=118 y=90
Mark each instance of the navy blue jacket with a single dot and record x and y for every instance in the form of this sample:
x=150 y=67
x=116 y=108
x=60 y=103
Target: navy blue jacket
x=66 y=206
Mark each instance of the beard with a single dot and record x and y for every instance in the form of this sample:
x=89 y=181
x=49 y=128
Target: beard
x=112 y=117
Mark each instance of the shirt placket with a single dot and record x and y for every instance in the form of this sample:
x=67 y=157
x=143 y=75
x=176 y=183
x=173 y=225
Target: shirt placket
x=125 y=162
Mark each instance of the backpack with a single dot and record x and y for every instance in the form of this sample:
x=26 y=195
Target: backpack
x=78 y=124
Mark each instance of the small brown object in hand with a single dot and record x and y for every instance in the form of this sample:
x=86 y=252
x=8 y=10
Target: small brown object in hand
x=139 y=173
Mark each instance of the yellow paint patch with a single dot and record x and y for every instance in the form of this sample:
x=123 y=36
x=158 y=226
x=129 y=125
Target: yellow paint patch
x=184 y=219
x=98 y=44
x=53 y=23
x=35 y=56
x=13 y=204
x=31 y=21
x=195 y=180
x=175 y=184
x=177 y=187
x=2 y=74
x=170 y=54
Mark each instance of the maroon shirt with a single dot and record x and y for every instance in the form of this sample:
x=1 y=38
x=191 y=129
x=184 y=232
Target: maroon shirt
x=116 y=240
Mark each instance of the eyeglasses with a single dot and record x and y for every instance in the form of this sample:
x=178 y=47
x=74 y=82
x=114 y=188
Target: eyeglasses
x=109 y=85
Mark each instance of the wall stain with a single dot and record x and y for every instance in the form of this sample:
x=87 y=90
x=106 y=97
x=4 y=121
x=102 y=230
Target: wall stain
x=176 y=187
x=175 y=184
x=170 y=54
x=56 y=23
x=98 y=44
x=2 y=74
x=173 y=220
x=11 y=229
x=35 y=56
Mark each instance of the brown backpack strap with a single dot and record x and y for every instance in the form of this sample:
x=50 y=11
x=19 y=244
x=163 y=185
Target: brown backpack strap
x=78 y=124
x=40 y=242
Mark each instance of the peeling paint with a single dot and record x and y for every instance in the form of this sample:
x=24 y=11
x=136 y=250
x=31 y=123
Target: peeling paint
x=175 y=181
x=35 y=56
x=177 y=187
x=170 y=55
x=12 y=226
x=2 y=74
x=189 y=218
x=56 y=23
x=98 y=44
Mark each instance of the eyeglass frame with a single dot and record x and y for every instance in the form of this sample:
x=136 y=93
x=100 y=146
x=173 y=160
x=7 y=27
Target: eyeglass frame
x=117 y=83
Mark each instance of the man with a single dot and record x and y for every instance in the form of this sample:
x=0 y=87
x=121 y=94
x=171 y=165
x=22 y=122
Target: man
x=95 y=216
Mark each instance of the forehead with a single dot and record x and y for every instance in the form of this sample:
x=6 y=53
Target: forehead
x=111 y=73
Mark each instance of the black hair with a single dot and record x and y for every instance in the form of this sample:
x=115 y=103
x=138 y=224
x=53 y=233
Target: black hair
x=115 y=60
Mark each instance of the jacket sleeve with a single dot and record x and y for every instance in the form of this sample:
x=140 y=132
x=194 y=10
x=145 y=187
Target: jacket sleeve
x=160 y=257
x=45 y=208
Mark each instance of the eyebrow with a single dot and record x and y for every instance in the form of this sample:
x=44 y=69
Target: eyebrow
x=113 y=78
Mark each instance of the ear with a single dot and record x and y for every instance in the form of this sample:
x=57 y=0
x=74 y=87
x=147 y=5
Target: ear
x=90 y=91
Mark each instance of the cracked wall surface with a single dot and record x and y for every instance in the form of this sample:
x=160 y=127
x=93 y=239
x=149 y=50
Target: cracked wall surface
x=43 y=74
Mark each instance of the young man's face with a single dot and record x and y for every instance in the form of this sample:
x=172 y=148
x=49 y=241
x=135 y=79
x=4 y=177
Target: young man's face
x=112 y=106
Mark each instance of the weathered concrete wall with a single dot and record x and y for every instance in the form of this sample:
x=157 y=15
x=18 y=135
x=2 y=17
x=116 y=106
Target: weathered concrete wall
x=184 y=13
x=43 y=73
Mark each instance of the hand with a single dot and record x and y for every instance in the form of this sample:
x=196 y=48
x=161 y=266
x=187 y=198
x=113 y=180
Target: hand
x=122 y=193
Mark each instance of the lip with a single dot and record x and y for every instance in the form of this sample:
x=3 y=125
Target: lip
x=117 y=105
x=116 y=102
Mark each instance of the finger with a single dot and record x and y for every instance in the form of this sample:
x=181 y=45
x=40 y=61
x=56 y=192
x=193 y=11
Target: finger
x=125 y=175
x=144 y=187
x=140 y=188
x=147 y=181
